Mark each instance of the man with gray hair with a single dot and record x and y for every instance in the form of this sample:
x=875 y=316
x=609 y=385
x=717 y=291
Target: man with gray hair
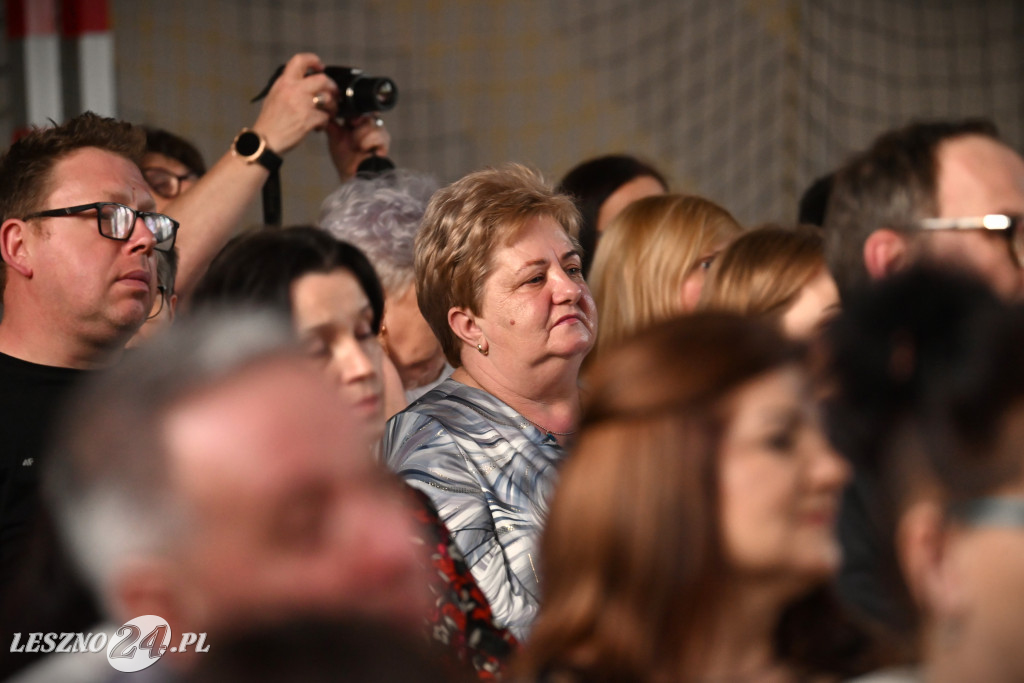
x=214 y=479
x=381 y=215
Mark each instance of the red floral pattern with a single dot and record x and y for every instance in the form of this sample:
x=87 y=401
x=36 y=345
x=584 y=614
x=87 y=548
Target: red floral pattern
x=461 y=619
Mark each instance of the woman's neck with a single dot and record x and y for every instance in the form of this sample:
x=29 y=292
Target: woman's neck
x=951 y=654
x=552 y=406
x=739 y=643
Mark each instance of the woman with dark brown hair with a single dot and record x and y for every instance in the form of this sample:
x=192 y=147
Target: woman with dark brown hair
x=691 y=537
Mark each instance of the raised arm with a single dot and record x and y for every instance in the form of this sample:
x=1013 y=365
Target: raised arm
x=210 y=211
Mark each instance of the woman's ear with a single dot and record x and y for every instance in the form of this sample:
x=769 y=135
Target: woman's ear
x=924 y=545
x=464 y=325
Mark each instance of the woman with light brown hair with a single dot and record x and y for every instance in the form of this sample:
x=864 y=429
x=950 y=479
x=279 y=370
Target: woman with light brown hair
x=776 y=273
x=691 y=537
x=651 y=261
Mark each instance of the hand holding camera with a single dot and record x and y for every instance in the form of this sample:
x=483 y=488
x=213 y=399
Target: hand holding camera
x=289 y=112
x=344 y=101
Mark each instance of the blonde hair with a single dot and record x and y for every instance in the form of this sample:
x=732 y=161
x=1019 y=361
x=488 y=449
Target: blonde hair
x=762 y=272
x=644 y=257
x=463 y=226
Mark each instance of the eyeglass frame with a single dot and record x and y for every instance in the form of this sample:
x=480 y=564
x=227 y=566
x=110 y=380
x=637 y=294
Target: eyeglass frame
x=162 y=297
x=178 y=180
x=82 y=208
x=1008 y=224
x=991 y=511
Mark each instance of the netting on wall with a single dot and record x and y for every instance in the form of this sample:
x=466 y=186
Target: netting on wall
x=873 y=64
x=744 y=101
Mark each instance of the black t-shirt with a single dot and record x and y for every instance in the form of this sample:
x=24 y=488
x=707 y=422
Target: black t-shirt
x=30 y=396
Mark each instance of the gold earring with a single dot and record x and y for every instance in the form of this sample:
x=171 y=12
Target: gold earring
x=481 y=349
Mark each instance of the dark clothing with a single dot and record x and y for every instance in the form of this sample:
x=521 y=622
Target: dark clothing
x=870 y=580
x=30 y=395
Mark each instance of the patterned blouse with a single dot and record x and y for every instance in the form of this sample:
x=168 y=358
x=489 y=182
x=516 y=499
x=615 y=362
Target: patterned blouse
x=490 y=473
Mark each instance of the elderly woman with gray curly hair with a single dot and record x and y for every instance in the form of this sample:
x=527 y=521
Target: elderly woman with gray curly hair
x=499 y=280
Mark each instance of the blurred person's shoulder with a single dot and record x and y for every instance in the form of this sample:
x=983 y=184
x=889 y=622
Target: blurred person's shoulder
x=891 y=675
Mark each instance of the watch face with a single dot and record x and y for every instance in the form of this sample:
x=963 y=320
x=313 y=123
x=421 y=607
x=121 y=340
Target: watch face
x=247 y=143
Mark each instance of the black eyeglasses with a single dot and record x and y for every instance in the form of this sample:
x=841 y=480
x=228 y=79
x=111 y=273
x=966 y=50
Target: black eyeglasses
x=164 y=182
x=117 y=221
x=1008 y=225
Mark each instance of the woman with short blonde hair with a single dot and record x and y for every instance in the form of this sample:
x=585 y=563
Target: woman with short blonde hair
x=651 y=261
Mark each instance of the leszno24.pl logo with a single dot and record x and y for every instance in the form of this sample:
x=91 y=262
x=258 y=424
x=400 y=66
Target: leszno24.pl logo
x=137 y=644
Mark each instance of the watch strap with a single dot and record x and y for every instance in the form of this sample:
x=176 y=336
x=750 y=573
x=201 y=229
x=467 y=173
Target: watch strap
x=252 y=147
x=272 y=199
x=269 y=160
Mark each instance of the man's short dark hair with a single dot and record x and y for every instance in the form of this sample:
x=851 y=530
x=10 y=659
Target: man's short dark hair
x=25 y=169
x=814 y=201
x=890 y=185
x=160 y=141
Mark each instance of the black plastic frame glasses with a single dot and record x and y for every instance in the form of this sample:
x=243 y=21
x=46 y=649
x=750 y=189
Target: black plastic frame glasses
x=164 y=182
x=1010 y=226
x=117 y=221
x=159 y=302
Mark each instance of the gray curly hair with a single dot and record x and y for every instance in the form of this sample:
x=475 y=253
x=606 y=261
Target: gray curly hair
x=381 y=216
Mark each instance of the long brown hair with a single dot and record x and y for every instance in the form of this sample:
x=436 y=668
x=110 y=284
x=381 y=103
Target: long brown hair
x=632 y=554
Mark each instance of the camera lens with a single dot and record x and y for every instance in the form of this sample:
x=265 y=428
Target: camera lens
x=385 y=95
x=372 y=94
x=362 y=94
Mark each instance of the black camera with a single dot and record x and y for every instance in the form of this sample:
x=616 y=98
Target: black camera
x=361 y=94
x=358 y=93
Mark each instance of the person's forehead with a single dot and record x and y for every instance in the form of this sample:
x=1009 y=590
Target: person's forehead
x=539 y=231
x=94 y=175
x=978 y=175
x=262 y=433
x=321 y=297
x=765 y=396
x=158 y=160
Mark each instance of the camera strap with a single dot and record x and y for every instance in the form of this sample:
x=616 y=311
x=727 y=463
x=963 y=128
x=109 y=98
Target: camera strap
x=272 y=199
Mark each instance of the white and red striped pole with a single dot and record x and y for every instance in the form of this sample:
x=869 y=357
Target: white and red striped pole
x=88 y=57
x=35 y=62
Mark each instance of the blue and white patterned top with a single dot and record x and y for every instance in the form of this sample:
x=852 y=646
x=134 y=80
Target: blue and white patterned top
x=490 y=473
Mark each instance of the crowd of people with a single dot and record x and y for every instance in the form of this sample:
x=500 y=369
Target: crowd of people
x=505 y=429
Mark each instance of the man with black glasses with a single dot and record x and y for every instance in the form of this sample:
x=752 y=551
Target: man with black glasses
x=78 y=237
